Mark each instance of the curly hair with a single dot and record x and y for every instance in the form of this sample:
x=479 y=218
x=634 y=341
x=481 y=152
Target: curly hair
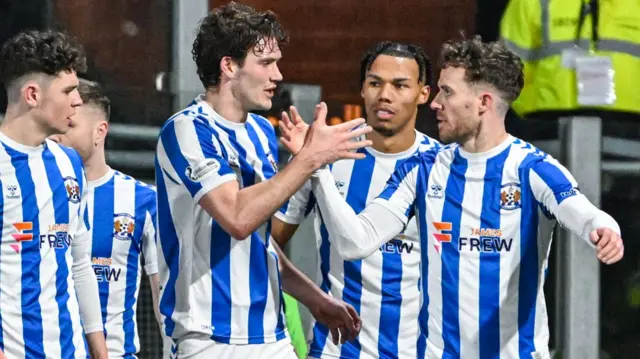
x=232 y=30
x=486 y=62
x=46 y=52
x=91 y=93
x=408 y=51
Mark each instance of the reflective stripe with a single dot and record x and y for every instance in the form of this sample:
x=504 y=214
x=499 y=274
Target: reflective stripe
x=554 y=48
x=544 y=20
x=540 y=53
x=624 y=47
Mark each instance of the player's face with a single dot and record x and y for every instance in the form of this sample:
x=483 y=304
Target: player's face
x=258 y=77
x=58 y=102
x=83 y=131
x=392 y=93
x=456 y=106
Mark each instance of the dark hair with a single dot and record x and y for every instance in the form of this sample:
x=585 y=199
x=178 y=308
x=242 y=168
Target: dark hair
x=396 y=49
x=486 y=62
x=232 y=30
x=46 y=52
x=92 y=94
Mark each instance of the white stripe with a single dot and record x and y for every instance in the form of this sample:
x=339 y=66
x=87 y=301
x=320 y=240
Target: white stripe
x=48 y=265
x=510 y=264
x=469 y=274
x=179 y=200
x=240 y=287
x=435 y=208
x=123 y=203
x=11 y=263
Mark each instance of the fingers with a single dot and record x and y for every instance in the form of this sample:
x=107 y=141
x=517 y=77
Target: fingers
x=295 y=116
x=320 y=114
x=335 y=335
x=609 y=247
x=349 y=125
x=352 y=146
x=343 y=335
x=594 y=236
x=357 y=322
x=286 y=121
x=612 y=252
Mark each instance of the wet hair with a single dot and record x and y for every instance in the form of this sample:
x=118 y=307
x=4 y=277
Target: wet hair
x=396 y=49
x=233 y=30
x=488 y=63
x=92 y=94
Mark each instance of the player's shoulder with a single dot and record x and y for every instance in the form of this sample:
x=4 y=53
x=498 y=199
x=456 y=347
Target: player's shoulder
x=141 y=187
x=427 y=143
x=526 y=155
x=192 y=115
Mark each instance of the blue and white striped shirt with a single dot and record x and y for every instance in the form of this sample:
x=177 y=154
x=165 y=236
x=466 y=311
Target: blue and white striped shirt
x=212 y=283
x=42 y=201
x=485 y=222
x=122 y=212
x=384 y=287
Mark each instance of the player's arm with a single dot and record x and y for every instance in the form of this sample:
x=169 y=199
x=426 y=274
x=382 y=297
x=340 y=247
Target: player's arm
x=86 y=284
x=286 y=220
x=556 y=189
x=150 y=254
x=358 y=236
x=337 y=315
x=198 y=162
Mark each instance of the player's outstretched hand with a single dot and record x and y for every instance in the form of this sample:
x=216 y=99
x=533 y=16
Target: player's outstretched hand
x=294 y=130
x=323 y=143
x=609 y=246
x=341 y=318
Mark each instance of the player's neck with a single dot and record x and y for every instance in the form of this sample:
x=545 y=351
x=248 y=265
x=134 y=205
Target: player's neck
x=96 y=167
x=398 y=142
x=490 y=135
x=225 y=105
x=22 y=128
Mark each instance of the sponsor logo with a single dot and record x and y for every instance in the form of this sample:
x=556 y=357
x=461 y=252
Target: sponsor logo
x=202 y=170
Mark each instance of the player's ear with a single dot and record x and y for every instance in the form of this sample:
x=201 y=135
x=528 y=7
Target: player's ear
x=228 y=67
x=425 y=91
x=101 y=132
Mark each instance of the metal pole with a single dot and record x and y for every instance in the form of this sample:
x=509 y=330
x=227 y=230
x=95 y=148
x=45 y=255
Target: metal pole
x=580 y=270
x=184 y=80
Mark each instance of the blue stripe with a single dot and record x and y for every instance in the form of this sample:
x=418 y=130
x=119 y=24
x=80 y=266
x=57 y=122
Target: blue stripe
x=177 y=159
x=422 y=186
x=102 y=239
x=529 y=276
x=267 y=168
x=62 y=241
x=359 y=184
x=258 y=288
x=489 y=300
x=1 y=226
x=30 y=253
x=321 y=331
x=270 y=132
x=280 y=332
x=220 y=283
x=398 y=176
x=553 y=177
x=391 y=300
x=142 y=202
x=248 y=174
x=452 y=213
x=170 y=250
